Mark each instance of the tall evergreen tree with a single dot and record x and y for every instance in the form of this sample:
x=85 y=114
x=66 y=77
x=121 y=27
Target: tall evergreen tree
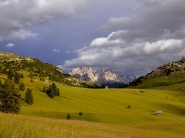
x=54 y=88
x=10 y=74
x=10 y=98
x=0 y=83
x=52 y=93
x=58 y=92
x=16 y=78
x=21 y=75
x=22 y=86
x=44 y=89
x=29 y=97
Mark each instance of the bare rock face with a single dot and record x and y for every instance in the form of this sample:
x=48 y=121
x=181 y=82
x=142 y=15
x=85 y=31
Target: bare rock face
x=128 y=77
x=85 y=73
x=108 y=76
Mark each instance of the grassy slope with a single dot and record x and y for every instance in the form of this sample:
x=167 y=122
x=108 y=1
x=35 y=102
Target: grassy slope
x=158 y=81
x=105 y=107
x=169 y=74
x=16 y=126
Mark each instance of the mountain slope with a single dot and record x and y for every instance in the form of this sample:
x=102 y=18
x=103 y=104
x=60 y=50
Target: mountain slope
x=105 y=112
x=103 y=109
x=166 y=75
x=12 y=63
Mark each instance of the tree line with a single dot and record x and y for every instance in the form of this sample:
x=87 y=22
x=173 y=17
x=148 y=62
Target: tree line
x=10 y=96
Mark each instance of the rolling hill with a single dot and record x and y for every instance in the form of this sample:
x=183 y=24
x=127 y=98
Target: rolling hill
x=97 y=113
x=11 y=63
x=104 y=109
x=169 y=74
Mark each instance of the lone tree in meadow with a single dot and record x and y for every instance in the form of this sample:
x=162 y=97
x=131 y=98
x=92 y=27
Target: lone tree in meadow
x=52 y=91
x=29 y=96
x=10 y=98
x=22 y=86
x=68 y=116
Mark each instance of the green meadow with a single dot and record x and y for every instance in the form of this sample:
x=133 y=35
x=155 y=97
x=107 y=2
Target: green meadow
x=105 y=113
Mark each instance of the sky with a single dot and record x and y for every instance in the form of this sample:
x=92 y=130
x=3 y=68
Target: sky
x=127 y=36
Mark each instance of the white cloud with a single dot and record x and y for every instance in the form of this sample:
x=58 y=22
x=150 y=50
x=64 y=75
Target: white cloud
x=162 y=46
x=68 y=52
x=99 y=42
x=10 y=45
x=21 y=34
x=56 y=50
x=136 y=58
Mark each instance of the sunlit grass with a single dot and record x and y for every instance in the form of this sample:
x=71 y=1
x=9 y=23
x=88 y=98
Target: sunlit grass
x=105 y=113
x=17 y=126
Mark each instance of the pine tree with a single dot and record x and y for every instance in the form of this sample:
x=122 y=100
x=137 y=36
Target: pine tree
x=54 y=88
x=10 y=74
x=58 y=92
x=16 y=78
x=29 y=97
x=10 y=98
x=52 y=93
x=44 y=89
x=21 y=75
x=22 y=86
x=0 y=83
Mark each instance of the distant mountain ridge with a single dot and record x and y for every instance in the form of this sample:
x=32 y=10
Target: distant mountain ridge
x=107 y=77
x=85 y=73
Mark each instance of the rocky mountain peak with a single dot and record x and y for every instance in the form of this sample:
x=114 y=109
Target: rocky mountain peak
x=85 y=73
x=108 y=74
x=107 y=70
x=107 y=77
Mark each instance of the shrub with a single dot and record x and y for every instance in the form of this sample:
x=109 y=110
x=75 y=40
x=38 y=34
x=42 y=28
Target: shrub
x=128 y=106
x=80 y=113
x=68 y=116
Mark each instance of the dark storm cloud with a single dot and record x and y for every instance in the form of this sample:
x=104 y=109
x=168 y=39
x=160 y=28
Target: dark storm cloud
x=18 y=16
x=150 y=21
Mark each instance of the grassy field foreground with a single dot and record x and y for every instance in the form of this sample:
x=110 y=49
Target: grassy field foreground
x=105 y=113
x=21 y=126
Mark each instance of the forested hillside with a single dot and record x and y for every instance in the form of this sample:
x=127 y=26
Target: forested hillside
x=11 y=63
